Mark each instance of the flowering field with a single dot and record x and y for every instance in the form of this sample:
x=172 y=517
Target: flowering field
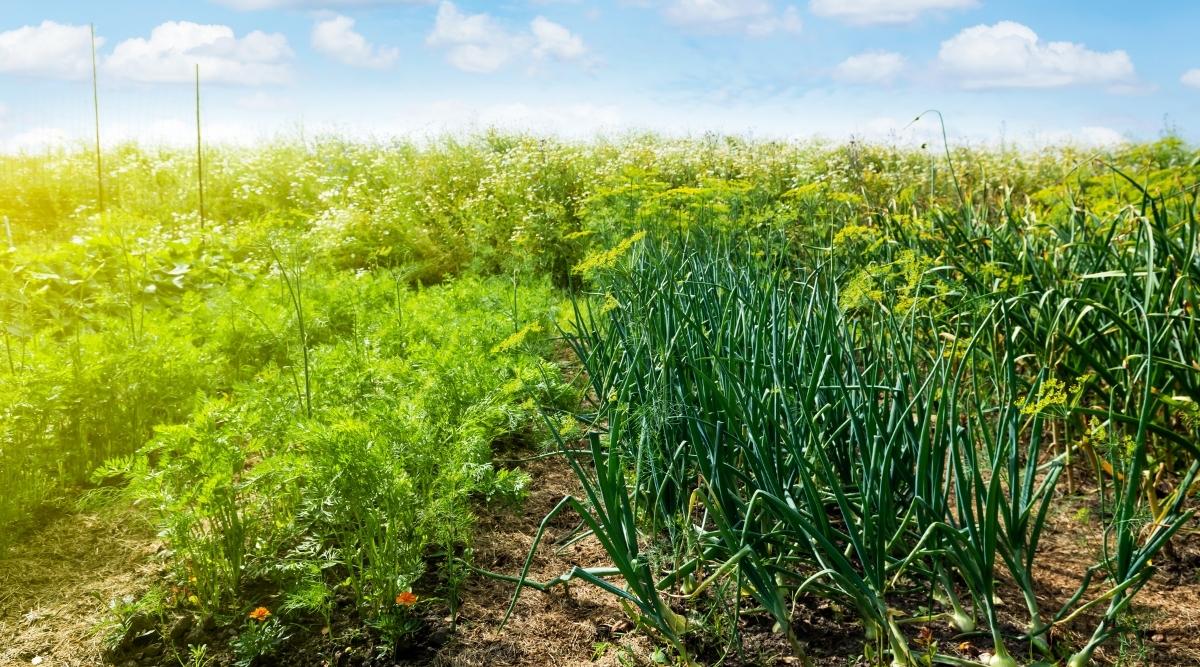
x=816 y=403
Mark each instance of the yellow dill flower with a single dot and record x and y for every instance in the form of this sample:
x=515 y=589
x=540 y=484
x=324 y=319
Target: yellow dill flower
x=860 y=291
x=853 y=236
x=517 y=338
x=1052 y=393
x=610 y=304
x=606 y=259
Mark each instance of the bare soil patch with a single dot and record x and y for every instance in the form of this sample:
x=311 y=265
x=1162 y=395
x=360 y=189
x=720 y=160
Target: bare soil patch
x=573 y=625
x=56 y=586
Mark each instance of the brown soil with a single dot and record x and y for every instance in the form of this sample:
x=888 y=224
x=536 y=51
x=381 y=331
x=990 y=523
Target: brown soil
x=56 y=586
x=575 y=628
x=569 y=626
x=1164 y=619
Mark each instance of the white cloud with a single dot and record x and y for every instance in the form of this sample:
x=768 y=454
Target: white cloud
x=336 y=38
x=1100 y=136
x=1091 y=136
x=263 y=101
x=169 y=55
x=250 y=5
x=1011 y=55
x=480 y=43
x=50 y=49
x=565 y=119
x=37 y=139
x=180 y=132
x=868 y=12
x=160 y=131
x=568 y=119
x=1191 y=78
x=554 y=40
x=890 y=131
x=476 y=42
x=176 y=47
x=870 y=67
x=757 y=18
x=927 y=132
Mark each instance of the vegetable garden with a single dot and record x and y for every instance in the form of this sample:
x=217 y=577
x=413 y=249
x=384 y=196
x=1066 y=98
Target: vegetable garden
x=785 y=377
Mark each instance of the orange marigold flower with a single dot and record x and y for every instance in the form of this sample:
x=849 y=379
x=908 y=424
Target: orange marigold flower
x=260 y=614
x=407 y=598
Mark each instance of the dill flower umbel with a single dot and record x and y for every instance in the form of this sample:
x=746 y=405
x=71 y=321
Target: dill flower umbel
x=606 y=259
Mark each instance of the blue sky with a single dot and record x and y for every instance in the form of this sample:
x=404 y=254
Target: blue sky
x=1020 y=71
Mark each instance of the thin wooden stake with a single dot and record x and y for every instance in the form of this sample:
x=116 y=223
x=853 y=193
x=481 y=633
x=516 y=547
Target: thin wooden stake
x=96 y=115
x=199 y=150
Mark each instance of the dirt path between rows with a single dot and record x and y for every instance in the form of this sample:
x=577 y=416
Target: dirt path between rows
x=56 y=586
x=578 y=625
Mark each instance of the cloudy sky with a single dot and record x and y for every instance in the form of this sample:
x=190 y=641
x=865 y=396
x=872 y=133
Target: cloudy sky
x=1023 y=71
